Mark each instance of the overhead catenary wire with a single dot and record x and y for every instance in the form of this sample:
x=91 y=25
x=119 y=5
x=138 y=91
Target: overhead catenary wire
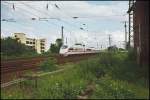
x=47 y=14
x=59 y=18
x=57 y=25
x=72 y=24
x=64 y=13
x=23 y=24
x=85 y=17
x=68 y=23
x=35 y=15
x=14 y=22
x=38 y=16
x=40 y=12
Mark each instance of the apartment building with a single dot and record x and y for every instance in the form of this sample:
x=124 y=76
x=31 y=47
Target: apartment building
x=38 y=44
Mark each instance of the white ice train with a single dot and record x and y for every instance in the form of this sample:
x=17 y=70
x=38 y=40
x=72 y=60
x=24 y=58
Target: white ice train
x=78 y=48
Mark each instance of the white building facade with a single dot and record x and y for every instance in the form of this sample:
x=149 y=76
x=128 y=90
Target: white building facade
x=38 y=44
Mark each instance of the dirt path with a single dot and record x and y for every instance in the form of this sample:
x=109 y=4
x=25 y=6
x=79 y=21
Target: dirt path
x=87 y=92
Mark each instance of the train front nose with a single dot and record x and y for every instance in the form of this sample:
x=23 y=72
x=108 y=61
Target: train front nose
x=63 y=50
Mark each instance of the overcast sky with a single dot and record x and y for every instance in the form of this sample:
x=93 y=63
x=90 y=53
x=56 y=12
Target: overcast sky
x=97 y=18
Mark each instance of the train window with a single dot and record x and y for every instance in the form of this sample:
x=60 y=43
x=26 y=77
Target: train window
x=64 y=47
x=88 y=49
x=70 y=48
x=78 y=44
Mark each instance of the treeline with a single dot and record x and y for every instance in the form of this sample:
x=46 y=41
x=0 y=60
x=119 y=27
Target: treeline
x=55 y=47
x=11 y=47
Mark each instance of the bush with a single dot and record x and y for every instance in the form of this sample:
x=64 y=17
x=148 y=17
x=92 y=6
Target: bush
x=131 y=55
x=48 y=65
x=107 y=88
x=119 y=65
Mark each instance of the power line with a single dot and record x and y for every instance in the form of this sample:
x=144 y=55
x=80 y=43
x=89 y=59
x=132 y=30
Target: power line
x=30 y=13
x=42 y=12
x=57 y=20
x=125 y=33
x=22 y=24
x=67 y=16
x=36 y=15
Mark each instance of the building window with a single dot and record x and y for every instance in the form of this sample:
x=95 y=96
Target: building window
x=42 y=47
x=42 y=43
x=33 y=42
x=33 y=47
x=27 y=42
x=15 y=35
x=30 y=42
x=42 y=51
x=17 y=38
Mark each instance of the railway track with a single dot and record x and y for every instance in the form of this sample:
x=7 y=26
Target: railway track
x=11 y=66
x=24 y=64
x=17 y=67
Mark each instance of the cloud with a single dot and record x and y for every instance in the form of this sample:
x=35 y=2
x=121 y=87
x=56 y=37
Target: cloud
x=88 y=13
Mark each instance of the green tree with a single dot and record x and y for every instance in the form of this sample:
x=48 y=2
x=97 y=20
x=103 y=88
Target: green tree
x=59 y=43
x=55 y=47
x=11 y=47
x=112 y=48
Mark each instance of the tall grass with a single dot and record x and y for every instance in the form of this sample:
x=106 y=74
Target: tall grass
x=114 y=75
x=108 y=88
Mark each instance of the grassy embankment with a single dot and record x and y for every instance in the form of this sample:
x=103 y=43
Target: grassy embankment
x=25 y=56
x=122 y=79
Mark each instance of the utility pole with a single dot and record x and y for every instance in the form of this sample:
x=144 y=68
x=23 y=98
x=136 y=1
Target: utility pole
x=125 y=26
x=130 y=12
x=129 y=27
x=125 y=32
x=62 y=35
x=109 y=40
x=97 y=45
x=66 y=40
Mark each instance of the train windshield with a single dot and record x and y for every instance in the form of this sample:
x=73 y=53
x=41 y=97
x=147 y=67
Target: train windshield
x=64 y=46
